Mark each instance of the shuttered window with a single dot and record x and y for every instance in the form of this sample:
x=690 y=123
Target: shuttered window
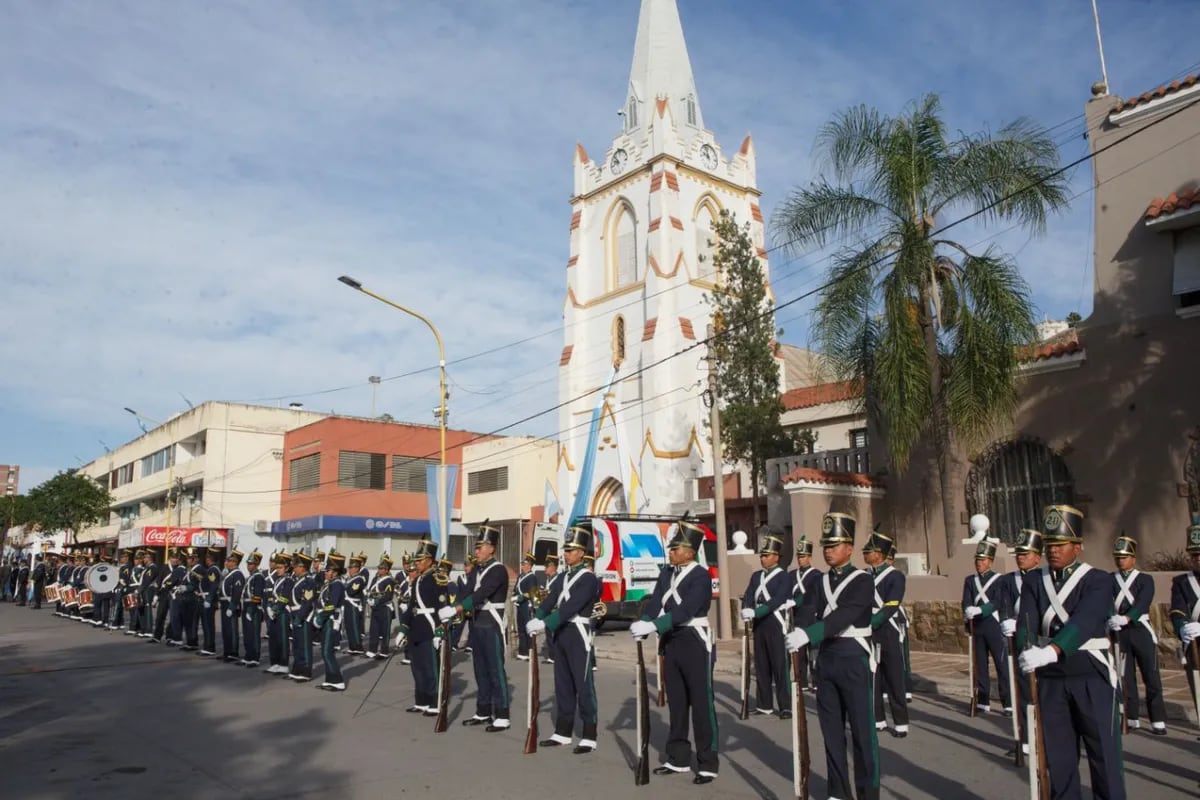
x=304 y=473
x=1187 y=262
x=408 y=474
x=361 y=470
x=487 y=480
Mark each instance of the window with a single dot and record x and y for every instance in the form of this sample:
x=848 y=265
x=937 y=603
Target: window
x=408 y=474
x=361 y=470
x=1187 y=263
x=121 y=476
x=626 y=254
x=304 y=473
x=618 y=341
x=858 y=437
x=631 y=115
x=156 y=462
x=1013 y=482
x=704 y=242
x=487 y=480
x=691 y=109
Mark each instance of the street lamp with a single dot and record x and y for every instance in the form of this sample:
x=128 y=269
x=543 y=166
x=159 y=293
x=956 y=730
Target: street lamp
x=374 y=380
x=141 y=420
x=357 y=286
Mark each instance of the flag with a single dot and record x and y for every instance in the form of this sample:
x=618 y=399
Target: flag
x=550 y=503
x=584 y=490
x=635 y=483
x=440 y=482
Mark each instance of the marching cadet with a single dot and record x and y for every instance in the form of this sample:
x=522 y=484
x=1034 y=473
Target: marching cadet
x=845 y=667
x=233 y=586
x=545 y=582
x=404 y=586
x=1185 y=610
x=102 y=610
x=279 y=627
x=254 y=590
x=300 y=609
x=380 y=593
x=459 y=589
x=23 y=580
x=328 y=619
x=983 y=623
x=210 y=588
x=63 y=580
x=887 y=633
x=804 y=594
x=567 y=610
x=170 y=596
x=677 y=611
x=190 y=595
x=352 y=612
x=1136 y=641
x=525 y=583
x=39 y=581
x=902 y=618
x=316 y=571
x=124 y=587
x=150 y=590
x=421 y=630
x=485 y=594
x=765 y=605
x=1061 y=631
x=1028 y=552
x=78 y=581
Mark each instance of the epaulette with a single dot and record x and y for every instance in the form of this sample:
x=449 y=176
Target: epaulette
x=440 y=579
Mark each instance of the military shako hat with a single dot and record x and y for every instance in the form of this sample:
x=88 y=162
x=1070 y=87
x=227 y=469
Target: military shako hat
x=804 y=547
x=552 y=558
x=192 y=552
x=212 y=552
x=1028 y=541
x=1062 y=525
x=281 y=559
x=1125 y=546
x=235 y=555
x=770 y=545
x=529 y=558
x=444 y=565
x=358 y=560
x=579 y=537
x=1193 y=539
x=985 y=549
x=385 y=562
x=879 y=543
x=255 y=557
x=406 y=561
x=302 y=559
x=687 y=534
x=319 y=558
x=336 y=562
x=487 y=534
x=837 y=528
x=425 y=549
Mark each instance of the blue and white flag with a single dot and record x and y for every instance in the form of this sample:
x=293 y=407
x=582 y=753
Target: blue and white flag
x=439 y=485
x=584 y=491
x=550 y=504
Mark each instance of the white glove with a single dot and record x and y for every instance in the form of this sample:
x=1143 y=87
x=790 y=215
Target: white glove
x=1008 y=627
x=796 y=639
x=401 y=640
x=971 y=612
x=789 y=603
x=437 y=643
x=534 y=627
x=1037 y=657
x=446 y=613
x=249 y=618
x=747 y=614
x=207 y=605
x=1190 y=632
x=1115 y=623
x=642 y=628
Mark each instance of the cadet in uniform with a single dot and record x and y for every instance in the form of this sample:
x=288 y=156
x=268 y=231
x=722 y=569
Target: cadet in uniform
x=124 y=586
x=804 y=593
x=1028 y=550
x=1062 y=634
x=567 y=610
x=421 y=630
x=677 y=611
x=233 y=585
x=983 y=620
x=845 y=668
x=1133 y=593
x=63 y=580
x=380 y=593
x=459 y=589
x=39 y=581
x=151 y=590
x=102 y=611
x=254 y=593
x=886 y=632
x=170 y=597
x=210 y=588
x=485 y=594
x=1185 y=609
x=525 y=584
x=545 y=582
x=765 y=605
x=328 y=619
x=23 y=581
x=300 y=611
x=279 y=624
x=352 y=612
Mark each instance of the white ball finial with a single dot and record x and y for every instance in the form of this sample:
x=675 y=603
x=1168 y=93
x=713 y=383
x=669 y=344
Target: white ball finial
x=980 y=524
x=739 y=538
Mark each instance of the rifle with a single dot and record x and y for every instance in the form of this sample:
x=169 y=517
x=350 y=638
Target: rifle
x=443 y=697
x=1195 y=670
x=800 y=756
x=661 y=700
x=1018 y=723
x=534 y=700
x=971 y=667
x=641 y=774
x=1039 y=778
x=1114 y=643
x=378 y=678
x=745 y=711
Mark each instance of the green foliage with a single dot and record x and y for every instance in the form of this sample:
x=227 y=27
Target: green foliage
x=15 y=509
x=1074 y=319
x=745 y=351
x=70 y=501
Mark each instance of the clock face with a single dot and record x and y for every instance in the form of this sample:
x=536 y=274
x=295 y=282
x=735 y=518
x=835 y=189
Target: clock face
x=708 y=157
x=618 y=162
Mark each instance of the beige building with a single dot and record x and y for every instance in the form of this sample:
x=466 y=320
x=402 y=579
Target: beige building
x=223 y=462
x=504 y=481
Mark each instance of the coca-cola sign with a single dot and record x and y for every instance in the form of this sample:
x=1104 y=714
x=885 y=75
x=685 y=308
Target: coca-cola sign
x=160 y=536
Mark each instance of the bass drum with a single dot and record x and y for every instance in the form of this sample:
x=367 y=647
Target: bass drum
x=101 y=578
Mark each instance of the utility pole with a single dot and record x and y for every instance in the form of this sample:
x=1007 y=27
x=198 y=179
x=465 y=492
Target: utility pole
x=724 y=624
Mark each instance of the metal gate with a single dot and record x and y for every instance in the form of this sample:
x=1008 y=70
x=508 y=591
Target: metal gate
x=1013 y=481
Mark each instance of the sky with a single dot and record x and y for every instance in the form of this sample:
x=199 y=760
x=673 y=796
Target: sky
x=182 y=183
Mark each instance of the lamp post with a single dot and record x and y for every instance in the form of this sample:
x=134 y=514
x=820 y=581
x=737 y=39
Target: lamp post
x=357 y=286
x=374 y=380
x=170 y=478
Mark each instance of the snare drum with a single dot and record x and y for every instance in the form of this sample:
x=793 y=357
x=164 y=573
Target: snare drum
x=85 y=599
x=70 y=596
x=130 y=601
x=52 y=593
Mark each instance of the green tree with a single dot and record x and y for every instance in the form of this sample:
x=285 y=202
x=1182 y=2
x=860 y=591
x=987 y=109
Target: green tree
x=1074 y=319
x=744 y=349
x=70 y=501
x=932 y=326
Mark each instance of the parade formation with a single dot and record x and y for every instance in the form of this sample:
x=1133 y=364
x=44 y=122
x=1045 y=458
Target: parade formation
x=1066 y=639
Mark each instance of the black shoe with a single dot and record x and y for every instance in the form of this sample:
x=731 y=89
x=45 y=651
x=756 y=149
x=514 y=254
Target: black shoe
x=785 y=715
x=415 y=710
x=1158 y=731
x=433 y=712
x=700 y=780
x=663 y=771
x=497 y=728
x=549 y=743
x=473 y=721
x=901 y=734
x=582 y=749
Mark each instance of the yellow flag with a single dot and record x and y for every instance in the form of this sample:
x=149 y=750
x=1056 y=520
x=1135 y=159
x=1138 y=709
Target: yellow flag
x=634 y=484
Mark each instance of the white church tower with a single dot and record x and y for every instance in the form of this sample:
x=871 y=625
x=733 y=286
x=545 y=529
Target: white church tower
x=638 y=271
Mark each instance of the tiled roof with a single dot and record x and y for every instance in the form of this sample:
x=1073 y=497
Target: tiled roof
x=685 y=327
x=1175 y=201
x=1153 y=94
x=565 y=358
x=649 y=328
x=1064 y=344
x=809 y=396
x=810 y=475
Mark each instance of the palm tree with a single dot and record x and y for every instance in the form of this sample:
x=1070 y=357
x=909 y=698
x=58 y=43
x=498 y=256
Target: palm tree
x=931 y=327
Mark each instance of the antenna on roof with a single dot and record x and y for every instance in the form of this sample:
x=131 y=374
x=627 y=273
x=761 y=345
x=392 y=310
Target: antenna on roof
x=1100 y=47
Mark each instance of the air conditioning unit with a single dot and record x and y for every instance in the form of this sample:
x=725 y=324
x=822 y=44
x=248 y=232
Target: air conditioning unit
x=262 y=526
x=912 y=563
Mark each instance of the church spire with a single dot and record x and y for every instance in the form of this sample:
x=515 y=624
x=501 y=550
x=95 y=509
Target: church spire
x=661 y=69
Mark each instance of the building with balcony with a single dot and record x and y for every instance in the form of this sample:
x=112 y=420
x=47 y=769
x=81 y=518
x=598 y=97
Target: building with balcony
x=10 y=480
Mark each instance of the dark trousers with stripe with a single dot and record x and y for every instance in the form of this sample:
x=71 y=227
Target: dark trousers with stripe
x=771 y=663
x=1075 y=708
x=524 y=614
x=118 y=616
x=574 y=686
x=165 y=608
x=688 y=672
x=252 y=632
x=208 y=624
x=102 y=611
x=845 y=694
x=425 y=667
x=329 y=642
x=381 y=629
x=176 y=623
x=230 y=622
x=989 y=641
x=1140 y=654
x=352 y=615
x=279 y=633
x=301 y=647
x=889 y=675
x=487 y=656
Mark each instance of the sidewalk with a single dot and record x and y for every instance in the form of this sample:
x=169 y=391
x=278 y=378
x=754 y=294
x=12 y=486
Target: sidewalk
x=933 y=673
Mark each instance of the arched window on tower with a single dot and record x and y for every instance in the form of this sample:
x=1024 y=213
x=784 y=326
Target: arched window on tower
x=691 y=109
x=631 y=114
x=624 y=256
x=618 y=341
x=705 y=242
x=1013 y=481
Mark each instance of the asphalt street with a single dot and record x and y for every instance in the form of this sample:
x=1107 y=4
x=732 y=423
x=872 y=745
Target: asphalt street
x=102 y=715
